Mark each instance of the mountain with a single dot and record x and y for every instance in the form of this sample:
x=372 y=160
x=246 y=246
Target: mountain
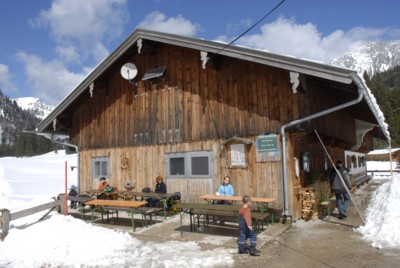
x=373 y=58
x=17 y=115
x=34 y=106
x=13 y=119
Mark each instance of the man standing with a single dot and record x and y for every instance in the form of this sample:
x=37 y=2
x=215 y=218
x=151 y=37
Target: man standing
x=339 y=189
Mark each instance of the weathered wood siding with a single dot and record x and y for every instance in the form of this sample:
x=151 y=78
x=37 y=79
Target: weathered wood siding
x=189 y=109
x=234 y=98
x=147 y=162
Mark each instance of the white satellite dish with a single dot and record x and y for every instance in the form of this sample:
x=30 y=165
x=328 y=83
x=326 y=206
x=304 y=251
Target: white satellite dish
x=129 y=71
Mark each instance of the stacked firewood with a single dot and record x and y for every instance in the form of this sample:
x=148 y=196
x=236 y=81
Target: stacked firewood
x=310 y=198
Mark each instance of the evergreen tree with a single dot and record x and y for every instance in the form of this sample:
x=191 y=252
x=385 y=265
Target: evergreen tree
x=386 y=89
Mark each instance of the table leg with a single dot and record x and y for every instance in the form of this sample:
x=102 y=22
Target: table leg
x=92 y=212
x=81 y=209
x=133 y=219
x=181 y=213
x=164 y=202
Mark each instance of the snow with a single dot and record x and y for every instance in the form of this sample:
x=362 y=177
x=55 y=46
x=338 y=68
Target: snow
x=382 y=225
x=383 y=151
x=32 y=103
x=64 y=241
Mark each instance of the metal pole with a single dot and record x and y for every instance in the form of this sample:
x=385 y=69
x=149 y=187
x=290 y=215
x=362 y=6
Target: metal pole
x=340 y=176
x=390 y=159
x=66 y=188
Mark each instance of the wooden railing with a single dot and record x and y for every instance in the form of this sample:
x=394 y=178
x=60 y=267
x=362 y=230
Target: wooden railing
x=382 y=171
x=6 y=216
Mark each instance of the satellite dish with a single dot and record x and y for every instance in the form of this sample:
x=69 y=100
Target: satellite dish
x=129 y=71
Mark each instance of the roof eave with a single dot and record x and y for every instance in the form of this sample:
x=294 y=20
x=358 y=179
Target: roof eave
x=279 y=61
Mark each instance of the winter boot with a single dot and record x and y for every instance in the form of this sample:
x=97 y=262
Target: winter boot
x=254 y=252
x=244 y=250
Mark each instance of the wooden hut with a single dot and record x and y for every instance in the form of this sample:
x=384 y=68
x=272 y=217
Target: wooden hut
x=193 y=111
x=384 y=155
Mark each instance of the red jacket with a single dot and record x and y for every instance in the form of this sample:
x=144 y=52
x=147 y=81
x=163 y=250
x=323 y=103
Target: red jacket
x=245 y=214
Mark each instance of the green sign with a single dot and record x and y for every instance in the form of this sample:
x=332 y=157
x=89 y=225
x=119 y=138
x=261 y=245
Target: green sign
x=267 y=143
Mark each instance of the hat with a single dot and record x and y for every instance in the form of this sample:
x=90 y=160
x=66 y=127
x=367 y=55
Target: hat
x=73 y=187
x=102 y=178
x=339 y=162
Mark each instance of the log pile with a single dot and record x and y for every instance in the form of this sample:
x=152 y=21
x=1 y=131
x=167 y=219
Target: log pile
x=310 y=198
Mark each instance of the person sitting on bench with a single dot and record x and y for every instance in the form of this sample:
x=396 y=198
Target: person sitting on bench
x=226 y=189
x=161 y=188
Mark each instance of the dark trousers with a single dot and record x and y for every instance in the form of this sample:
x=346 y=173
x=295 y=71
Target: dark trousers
x=244 y=234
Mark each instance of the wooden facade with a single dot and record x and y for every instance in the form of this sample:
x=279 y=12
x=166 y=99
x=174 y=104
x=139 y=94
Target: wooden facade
x=384 y=155
x=190 y=108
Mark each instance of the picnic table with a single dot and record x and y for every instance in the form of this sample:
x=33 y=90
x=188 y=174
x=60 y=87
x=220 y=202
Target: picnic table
x=127 y=195
x=262 y=202
x=96 y=193
x=207 y=209
x=81 y=201
x=132 y=206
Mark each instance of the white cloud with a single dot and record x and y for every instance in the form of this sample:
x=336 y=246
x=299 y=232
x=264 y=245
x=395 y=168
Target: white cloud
x=68 y=54
x=84 y=24
x=51 y=80
x=6 y=85
x=80 y=30
x=177 y=25
x=285 y=36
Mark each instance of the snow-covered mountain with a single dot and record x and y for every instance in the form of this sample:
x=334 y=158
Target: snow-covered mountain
x=374 y=57
x=34 y=105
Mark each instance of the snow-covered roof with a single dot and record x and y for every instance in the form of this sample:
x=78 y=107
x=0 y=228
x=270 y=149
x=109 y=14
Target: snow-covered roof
x=383 y=151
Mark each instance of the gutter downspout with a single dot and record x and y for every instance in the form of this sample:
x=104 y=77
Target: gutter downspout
x=301 y=120
x=77 y=157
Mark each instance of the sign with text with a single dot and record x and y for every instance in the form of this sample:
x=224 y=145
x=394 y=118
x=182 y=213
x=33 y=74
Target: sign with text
x=267 y=143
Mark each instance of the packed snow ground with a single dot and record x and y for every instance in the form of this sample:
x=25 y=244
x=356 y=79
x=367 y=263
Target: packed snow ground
x=64 y=241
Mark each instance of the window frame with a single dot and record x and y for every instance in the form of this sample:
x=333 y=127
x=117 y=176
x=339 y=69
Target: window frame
x=101 y=159
x=188 y=158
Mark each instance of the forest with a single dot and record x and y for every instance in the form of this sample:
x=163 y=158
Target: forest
x=386 y=88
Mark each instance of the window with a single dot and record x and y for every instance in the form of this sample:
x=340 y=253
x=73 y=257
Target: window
x=177 y=166
x=100 y=167
x=198 y=164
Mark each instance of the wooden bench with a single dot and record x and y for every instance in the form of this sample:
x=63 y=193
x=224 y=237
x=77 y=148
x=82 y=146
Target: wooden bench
x=196 y=210
x=81 y=201
x=207 y=213
x=259 y=217
x=133 y=207
x=145 y=211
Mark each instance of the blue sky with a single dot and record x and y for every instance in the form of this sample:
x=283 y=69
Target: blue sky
x=48 y=47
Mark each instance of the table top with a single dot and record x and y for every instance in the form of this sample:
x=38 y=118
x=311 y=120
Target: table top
x=116 y=203
x=232 y=207
x=166 y=195
x=97 y=192
x=236 y=198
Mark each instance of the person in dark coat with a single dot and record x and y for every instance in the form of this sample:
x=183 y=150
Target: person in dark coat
x=339 y=189
x=160 y=188
x=73 y=192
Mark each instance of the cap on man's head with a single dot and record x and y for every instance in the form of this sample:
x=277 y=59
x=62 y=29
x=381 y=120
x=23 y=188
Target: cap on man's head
x=339 y=162
x=102 y=178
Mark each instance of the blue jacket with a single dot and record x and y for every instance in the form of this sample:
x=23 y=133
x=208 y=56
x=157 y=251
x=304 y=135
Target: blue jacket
x=226 y=189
